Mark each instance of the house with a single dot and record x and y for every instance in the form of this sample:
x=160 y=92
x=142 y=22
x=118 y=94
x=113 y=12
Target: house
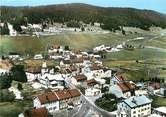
x=33 y=73
x=124 y=89
x=78 y=62
x=159 y=112
x=56 y=49
x=57 y=100
x=93 y=88
x=12 y=32
x=40 y=112
x=73 y=70
x=92 y=92
x=99 y=48
x=13 y=55
x=55 y=56
x=79 y=80
x=163 y=91
x=96 y=72
x=153 y=87
x=92 y=83
x=53 y=81
x=118 y=79
x=5 y=66
x=38 y=57
x=127 y=88
x=65 y=62
x=87 y=61
x=135 y=106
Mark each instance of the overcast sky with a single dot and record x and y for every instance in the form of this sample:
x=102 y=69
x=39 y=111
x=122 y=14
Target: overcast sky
x=157 y=5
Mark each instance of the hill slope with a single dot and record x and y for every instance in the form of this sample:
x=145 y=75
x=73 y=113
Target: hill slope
x=87 y=13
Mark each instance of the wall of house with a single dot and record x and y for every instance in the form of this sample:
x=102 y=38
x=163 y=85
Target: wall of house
x=52 y=106
x=31 y=76
x=36 y=103
x=63 y=103
x=140 y=111
x=122 y=107
x=3 y=71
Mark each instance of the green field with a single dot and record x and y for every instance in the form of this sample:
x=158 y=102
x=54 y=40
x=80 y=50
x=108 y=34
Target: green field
x=8 y=109
x=85 y=41
x=82 y=41
x=137 y=54
x=158 y=101
x=159 y=42
x=147 y=60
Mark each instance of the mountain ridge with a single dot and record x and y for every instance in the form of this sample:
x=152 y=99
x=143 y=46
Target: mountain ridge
x=121 y=16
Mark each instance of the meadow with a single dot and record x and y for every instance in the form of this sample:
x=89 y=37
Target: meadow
x=83 y=41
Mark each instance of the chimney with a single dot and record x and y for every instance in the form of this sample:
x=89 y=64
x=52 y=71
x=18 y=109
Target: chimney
x=134 y=101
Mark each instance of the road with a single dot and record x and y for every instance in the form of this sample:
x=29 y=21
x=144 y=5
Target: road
x=89 y=105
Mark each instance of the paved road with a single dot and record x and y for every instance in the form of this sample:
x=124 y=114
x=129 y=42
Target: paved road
x=89 y=105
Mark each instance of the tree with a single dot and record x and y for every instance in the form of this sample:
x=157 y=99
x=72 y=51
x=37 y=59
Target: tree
x=5 y=29
x=123 y=32
x=3 y=57
x=82 y=29
x=66 y=47
x=19 y=86
x=74 y=24
x=104 y=89
x=18 y=73
x=6 y=96
x=107 y=102
x=5 y=81
x=82 y=89
x=137 y=61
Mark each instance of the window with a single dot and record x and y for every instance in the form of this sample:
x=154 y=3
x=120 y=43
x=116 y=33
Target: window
x=54 y=108
x=134 y=112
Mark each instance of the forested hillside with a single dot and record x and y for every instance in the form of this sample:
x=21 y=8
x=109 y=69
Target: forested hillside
x=110 y=18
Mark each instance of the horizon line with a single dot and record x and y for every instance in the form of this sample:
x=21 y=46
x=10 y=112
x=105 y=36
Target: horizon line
x=21 y=6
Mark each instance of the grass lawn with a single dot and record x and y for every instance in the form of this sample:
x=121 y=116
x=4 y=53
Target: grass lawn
x=158 y=101
x=8 y=109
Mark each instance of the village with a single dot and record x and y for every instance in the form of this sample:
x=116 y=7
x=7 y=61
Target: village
x=74 y=82
x=46 y=29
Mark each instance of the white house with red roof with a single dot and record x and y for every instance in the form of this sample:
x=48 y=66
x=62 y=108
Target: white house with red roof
x=79 y=80
x=57 y=100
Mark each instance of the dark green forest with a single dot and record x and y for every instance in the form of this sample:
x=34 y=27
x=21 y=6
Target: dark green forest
x=110 y=18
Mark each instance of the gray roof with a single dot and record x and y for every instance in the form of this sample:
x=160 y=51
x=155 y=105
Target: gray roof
x=136 y=101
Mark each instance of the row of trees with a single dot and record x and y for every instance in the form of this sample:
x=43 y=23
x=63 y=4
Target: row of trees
x=4 y=30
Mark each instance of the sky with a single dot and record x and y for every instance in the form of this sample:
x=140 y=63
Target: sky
x=157 y=5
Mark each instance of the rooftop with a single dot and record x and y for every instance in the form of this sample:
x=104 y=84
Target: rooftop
x=80 y=77
x=56 y=77
x=135 y=101
x=161 y=109
x=126 y=86
x=91 y=82
x=58 y=95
